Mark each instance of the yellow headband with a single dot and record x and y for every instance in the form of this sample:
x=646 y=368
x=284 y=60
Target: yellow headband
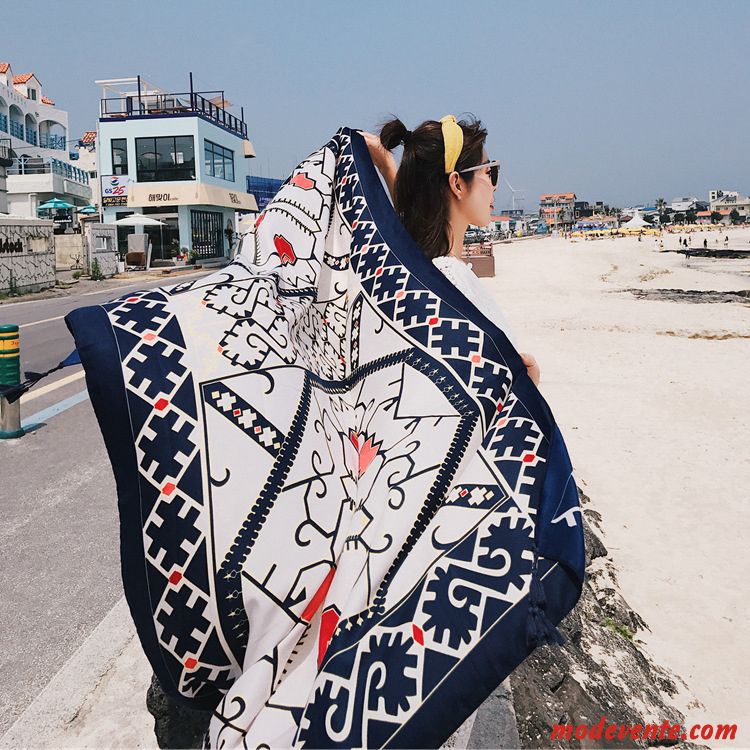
x=453 y=138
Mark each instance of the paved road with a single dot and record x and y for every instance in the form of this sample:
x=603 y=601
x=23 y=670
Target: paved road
x=59 y=545
x=45 y=339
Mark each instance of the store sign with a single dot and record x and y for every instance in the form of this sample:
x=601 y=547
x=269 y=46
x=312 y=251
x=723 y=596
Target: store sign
x=189 y=194
x=115 y=190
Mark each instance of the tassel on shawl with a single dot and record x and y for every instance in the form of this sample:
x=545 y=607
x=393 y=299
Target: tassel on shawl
x=14 y=392
x=539 y=628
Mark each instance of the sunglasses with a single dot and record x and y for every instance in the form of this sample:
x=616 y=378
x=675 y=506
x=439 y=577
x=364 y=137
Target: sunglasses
x=494 y=167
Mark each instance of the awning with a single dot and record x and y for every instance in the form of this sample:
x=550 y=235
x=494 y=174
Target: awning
x=188 y=194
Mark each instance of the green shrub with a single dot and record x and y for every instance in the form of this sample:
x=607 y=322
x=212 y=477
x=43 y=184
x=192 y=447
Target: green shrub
x=96 y=270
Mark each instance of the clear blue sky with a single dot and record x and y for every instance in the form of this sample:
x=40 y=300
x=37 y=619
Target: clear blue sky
x=616 y=101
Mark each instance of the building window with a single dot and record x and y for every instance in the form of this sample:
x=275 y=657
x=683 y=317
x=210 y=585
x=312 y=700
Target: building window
x=119 y=156
x=32 y=94
x=219 y=161
x=165 y=159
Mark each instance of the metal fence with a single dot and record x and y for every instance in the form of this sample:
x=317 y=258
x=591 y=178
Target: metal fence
x=172 y=104
x=36 y=165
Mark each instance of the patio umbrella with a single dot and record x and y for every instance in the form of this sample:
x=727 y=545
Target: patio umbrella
x=55 y=203
x=139 y=220
x=88 y=210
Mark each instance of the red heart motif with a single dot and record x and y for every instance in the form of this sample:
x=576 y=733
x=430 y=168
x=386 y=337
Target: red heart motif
x=302 y=181
x=284 y=249
x=367 y=450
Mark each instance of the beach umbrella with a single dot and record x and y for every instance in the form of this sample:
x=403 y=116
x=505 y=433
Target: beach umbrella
x=54 y=203
x=88 y=210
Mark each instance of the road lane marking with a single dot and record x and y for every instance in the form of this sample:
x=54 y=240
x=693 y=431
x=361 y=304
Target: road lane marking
x=39 y=322
x=55 y=409
x=52 y=386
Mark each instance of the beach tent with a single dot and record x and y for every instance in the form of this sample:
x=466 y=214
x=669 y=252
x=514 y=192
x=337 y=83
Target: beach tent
x=637 y=222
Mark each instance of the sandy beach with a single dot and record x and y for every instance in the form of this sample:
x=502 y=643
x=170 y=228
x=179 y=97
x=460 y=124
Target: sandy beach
x=651 y=395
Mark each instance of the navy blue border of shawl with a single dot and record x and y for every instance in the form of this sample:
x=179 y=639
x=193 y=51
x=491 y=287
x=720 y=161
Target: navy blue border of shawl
x=97 y=347
x=484 y=668
x=402 y=245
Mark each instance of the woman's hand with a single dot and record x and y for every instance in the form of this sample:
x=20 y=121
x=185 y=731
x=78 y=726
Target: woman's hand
x=382 y=158
x=532 y=367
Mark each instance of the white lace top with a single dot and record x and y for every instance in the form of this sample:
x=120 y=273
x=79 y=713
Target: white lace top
x=467 y=282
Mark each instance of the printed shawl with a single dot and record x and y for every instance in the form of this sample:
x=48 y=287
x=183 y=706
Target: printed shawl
x=346 y=512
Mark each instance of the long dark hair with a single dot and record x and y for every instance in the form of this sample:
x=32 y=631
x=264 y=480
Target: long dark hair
x=421 y=191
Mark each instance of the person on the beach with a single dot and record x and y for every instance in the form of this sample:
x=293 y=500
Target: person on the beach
x=436 y=206
x=726 y=240
x=705 y=243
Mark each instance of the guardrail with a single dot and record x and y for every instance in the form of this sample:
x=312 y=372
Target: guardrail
x=172 y=104
x=52 y=141
x=49 y=166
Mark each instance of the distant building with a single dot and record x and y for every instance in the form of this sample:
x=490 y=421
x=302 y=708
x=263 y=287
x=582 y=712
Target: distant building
x=728 y=200
x=37 y=130
x=264 y=189
x=557 y=210
x=177 y=157
x=86 y=161
x=582 y=209
x=501 y=222
x=683 y=205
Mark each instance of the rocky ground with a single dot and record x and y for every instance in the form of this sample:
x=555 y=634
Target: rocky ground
x=601 y=670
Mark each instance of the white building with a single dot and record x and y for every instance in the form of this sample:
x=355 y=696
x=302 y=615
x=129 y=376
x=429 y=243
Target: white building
x=38 y=133
x=724 y=201
x=179 y=158
x=87 y=161
x=682 y=205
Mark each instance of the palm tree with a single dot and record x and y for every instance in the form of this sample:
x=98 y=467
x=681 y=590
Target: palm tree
x=660 y=205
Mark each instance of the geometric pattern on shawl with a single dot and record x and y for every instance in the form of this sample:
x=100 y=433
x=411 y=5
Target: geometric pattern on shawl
x=346 y=512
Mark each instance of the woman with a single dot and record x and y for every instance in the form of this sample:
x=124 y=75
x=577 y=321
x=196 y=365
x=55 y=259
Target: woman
x=438 y=195
x=340 y=498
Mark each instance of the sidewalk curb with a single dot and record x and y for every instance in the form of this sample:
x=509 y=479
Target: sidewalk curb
x=59 y=703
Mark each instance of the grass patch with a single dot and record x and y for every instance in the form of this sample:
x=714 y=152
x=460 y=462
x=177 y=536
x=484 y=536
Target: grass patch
x=619 y=628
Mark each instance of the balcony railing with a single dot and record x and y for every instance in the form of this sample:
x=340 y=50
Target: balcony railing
x=37 y=165
x=5 y=149
x=173 y=104
x=52 y=141
x=4 y=123
x=16 y=129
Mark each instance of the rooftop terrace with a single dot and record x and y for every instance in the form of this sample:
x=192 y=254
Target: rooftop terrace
x=135 y=97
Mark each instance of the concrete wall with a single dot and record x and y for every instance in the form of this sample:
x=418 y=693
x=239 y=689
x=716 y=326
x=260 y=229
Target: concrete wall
x=27 y=255
x=78 y=251
x=70 y=252
x=101 y=244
